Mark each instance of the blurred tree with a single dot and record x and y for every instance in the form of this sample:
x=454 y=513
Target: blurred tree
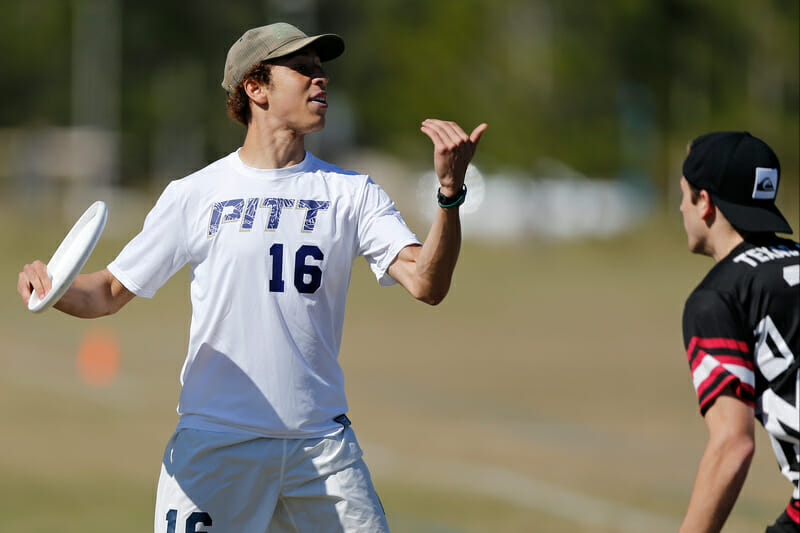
x=611 y=89
x=35 y=60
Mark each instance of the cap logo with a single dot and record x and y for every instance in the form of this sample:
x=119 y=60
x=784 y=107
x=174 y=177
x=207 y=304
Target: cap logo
x=766 y=185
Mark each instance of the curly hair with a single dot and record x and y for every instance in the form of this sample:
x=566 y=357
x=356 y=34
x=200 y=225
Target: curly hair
x=238 y=101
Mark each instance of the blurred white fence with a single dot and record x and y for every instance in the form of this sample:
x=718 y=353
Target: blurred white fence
x=558 y=205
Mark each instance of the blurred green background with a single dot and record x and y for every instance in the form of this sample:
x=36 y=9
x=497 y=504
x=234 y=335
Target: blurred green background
x=550 y=391
x=609 y=87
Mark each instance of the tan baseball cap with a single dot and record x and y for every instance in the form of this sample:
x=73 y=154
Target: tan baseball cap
x=273 y=41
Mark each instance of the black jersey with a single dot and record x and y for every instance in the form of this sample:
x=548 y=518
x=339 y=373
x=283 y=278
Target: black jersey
x=741 y=330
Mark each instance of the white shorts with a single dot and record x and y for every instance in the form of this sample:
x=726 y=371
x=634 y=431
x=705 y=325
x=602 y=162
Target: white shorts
x=227 y=483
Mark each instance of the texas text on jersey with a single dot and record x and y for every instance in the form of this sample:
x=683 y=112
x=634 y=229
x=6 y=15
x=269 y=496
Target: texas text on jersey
x=741 y=329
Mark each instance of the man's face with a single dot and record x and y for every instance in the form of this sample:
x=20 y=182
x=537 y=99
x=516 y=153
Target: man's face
x=297 y=92
x=693 y=222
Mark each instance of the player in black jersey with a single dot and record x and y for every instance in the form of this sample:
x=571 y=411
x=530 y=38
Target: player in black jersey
x=741 y=325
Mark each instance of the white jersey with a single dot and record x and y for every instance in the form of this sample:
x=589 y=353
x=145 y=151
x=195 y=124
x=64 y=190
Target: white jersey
x=271 y=253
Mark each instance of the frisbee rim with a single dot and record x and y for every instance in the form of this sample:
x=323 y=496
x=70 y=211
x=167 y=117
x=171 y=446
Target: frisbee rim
x=71 y=254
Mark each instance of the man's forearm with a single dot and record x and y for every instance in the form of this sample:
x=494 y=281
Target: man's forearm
x=94 y=295
x=438 y=256
x=723 y=467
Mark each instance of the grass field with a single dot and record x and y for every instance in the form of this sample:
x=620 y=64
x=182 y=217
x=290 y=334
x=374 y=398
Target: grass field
x=549 y=392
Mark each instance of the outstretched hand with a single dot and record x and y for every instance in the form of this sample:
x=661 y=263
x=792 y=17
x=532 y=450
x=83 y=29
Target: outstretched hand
x=452 y=151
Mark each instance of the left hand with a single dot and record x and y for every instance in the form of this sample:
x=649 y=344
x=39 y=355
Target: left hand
x=452 y=151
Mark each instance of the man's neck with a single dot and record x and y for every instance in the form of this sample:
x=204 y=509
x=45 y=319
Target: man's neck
x=266 y=148
x=724 y=243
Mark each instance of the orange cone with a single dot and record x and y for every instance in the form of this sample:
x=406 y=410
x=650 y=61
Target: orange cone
x=98 y=357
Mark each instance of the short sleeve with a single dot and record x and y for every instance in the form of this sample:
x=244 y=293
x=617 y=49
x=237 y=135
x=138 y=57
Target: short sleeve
x=716 y=347
x=382 y=232
x=157 y=252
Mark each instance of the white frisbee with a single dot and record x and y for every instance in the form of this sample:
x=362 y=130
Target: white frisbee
x=71 y=255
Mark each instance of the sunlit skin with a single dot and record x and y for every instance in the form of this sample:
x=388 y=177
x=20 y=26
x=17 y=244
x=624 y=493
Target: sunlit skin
x=692 y=219
x=707 y=230
x=297 y=95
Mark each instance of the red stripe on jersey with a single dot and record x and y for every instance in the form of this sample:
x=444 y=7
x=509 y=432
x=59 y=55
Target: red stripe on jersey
x=721 y=342
x=793 y=510
x=720 y=378
x=726 y=359
x=734 y=360
x=710 y=388
x=747 y=393
x=695 y=358
x=695 y=354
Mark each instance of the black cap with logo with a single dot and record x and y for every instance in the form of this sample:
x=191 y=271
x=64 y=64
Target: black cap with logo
x=740 y=173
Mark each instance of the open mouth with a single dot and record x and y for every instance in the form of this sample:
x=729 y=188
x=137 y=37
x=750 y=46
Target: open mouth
x=321 y=99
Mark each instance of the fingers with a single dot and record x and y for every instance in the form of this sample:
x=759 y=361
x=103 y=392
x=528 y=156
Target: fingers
x=24 y=288
x=452 y=150
x=33 y=278
x=432 y=133
x=446 y=133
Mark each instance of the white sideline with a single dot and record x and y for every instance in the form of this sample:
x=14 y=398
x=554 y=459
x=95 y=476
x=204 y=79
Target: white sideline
x=517 y=489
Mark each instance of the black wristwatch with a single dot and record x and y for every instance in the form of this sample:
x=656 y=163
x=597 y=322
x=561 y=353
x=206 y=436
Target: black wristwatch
x=451 y=201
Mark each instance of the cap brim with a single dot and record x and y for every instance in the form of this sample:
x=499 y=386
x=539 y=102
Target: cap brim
x=753 y=218
x=328 y=46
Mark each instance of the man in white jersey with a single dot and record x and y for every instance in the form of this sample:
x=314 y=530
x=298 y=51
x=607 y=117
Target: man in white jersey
x=270 y=233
